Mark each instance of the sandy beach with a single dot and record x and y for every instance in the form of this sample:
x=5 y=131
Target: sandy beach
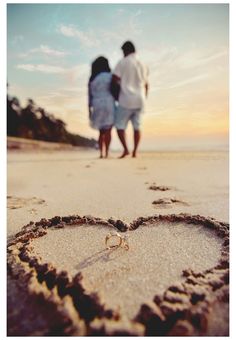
x=77 y=182
x=44 y=183
x=101 y=242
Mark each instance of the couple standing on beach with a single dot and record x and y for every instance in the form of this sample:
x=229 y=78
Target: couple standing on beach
x=117 y=98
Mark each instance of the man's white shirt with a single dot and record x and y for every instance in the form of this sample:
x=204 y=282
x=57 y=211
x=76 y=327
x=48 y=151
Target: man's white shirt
x=133 y=77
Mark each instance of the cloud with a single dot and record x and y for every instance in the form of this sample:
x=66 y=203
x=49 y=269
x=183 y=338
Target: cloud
x=193 y=59
x=172 y=68
x=189 y=81
x=42 y=68
x=120 y=11
x=78 y=73
x=86 y=39
x=46 y=50
x=49 y=51
x=171 y=57
x=134 y=24
x=71 y=74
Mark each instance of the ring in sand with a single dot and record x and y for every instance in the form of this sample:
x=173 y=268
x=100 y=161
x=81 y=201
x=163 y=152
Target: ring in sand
x=122 y=241
x=174 y=280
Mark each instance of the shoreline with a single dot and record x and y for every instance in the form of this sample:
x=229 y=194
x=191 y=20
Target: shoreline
x=24 y=144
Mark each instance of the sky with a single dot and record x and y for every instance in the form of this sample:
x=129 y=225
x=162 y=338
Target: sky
x=50 y=48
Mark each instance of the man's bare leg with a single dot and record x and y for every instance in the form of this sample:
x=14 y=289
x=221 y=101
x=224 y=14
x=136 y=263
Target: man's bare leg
x=121 y=135
x=137 y=136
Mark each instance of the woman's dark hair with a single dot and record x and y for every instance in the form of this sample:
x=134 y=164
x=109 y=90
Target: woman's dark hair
x=99 y=65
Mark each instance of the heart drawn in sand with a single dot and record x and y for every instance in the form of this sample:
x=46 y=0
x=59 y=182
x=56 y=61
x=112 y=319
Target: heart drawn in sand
x=175 y=267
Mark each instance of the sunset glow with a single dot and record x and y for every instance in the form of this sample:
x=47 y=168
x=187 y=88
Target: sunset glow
x=51 y=47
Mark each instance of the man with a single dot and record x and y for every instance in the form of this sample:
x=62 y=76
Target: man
x=131 y=75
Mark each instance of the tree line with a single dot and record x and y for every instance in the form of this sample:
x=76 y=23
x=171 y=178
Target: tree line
x=34 y=122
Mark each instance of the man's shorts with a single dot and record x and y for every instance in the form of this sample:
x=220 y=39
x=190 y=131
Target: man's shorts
x=123 y=115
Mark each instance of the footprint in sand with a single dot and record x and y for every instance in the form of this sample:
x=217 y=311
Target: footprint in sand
x=168 y=202
x=14 y=202
x=159 y=187
x=33 y=211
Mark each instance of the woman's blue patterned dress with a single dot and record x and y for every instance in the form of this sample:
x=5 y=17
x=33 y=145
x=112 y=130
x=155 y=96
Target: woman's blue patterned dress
x=102 y=101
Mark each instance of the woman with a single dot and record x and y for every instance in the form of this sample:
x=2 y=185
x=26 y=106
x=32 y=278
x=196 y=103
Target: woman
x=101 y=103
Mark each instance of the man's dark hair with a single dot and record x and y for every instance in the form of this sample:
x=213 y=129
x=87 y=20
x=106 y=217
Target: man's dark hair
x=99 y=65
x=128 y=47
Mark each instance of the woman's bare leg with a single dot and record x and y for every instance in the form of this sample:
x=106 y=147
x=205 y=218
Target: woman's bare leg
x=107 y=141
x=100 y=142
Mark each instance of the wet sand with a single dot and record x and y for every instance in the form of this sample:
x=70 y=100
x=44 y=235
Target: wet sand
x=43 y=184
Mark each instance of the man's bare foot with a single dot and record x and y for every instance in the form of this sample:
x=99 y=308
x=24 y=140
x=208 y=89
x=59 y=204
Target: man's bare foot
x=134 y=154
x=101 y=156
x=124 y=154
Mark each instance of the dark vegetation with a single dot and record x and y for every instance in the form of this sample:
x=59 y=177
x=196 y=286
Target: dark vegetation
x=34 y=122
